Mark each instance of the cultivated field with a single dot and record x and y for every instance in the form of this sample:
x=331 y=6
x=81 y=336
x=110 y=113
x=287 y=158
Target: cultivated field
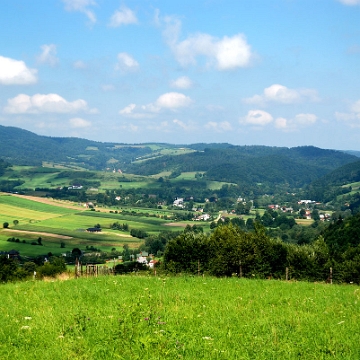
x=139 y=317
x=63 y=222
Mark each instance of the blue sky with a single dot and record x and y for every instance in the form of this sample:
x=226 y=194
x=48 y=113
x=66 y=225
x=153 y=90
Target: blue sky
x=247 y=72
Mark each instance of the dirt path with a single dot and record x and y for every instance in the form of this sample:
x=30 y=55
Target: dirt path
x=39 y=233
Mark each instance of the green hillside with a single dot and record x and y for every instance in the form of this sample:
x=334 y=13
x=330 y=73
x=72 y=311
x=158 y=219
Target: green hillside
x=148 y=317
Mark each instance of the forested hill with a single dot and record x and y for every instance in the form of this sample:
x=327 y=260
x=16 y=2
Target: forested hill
x=343 y=175
x=22 y=147
x=223 y=162
x=260 y=164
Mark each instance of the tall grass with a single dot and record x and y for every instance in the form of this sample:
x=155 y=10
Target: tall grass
x=135 y=317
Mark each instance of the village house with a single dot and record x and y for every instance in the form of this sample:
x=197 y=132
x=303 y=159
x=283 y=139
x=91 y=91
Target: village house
x=179 y=202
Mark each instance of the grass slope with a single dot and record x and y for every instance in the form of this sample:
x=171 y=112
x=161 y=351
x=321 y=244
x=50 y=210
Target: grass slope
x=57 y=224
x=136 y=317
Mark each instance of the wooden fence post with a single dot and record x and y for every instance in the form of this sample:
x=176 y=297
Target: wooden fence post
x=286 y=273
x=331 y=275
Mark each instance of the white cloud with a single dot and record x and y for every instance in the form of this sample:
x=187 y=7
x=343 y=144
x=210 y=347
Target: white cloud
x=79 y=65
x=39 y=103
x=350 y=2
x=182 y=82
x=124 y=16
x=79 y=123
x=257 y=117
x=352 y=118
x=227 y=53
x=219 y=126
x=126 y=62
x=168 y=101
x=173 y=100
x=81 y=6
x=127 y=109
x=48 y=55
x=281 y=94
x=300 y=120
x=15 y=72
x=356 y=107
x=137 y=112
x=182 y=125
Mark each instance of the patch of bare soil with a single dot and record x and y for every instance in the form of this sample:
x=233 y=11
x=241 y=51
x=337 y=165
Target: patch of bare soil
x=39 y=233
x=121 y=235
x=175 y=224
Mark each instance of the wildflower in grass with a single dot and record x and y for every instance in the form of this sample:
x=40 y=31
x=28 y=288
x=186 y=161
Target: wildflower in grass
x=161 y=322
x=207 y=338
x=146 y=319
x=27 y=318
x=25 y=328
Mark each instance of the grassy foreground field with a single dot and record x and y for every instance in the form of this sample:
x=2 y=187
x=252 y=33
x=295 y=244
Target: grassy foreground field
x=139 y=317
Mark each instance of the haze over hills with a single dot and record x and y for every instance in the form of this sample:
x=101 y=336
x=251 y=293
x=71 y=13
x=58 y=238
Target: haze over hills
x=222 y=162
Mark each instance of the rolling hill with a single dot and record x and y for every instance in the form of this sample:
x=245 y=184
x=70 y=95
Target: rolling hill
x=219 y=162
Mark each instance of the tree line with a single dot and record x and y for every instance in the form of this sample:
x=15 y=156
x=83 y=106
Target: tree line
x=229 y=251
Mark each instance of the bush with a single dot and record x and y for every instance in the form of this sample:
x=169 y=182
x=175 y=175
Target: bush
x=129 y=266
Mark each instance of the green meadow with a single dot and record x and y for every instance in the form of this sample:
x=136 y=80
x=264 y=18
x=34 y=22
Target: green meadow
x=51 y=176
x=58 y=225
x=148 y=317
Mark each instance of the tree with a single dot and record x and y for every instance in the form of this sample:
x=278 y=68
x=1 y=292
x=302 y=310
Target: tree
x=5 y=225
x=16 y=222
x=76 y=252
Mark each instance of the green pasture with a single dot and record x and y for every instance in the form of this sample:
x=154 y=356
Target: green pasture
x=47 y=177
x=24 y=210
x=29 y=205
x=148 y=317
x=35 y=217
x=50 y=244
x=304 y=222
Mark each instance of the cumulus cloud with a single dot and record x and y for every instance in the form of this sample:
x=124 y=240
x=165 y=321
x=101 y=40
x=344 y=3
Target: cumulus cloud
x=281 y=94
x=300 y=120
x=39 y=103
x=173 y=100
x=257 y=117
x=182 y=82
x=219 y=126
x=126 y=62
x=350 y=2
x=124 y=16
x=79 y=123
x=352 y=118
x=81 y=6
x=15 y=72
x=168 y=101
x=48 y=55
x=227 y=53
